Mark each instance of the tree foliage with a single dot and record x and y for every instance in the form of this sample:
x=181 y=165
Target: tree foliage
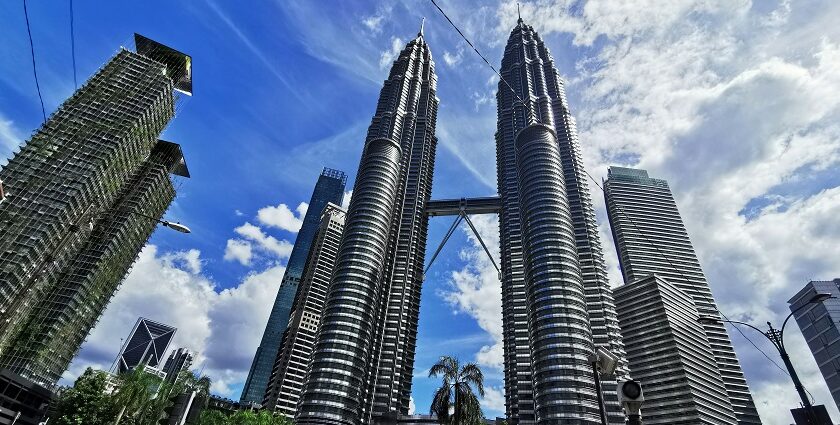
x=138 y=398
x=456 y=392
x=243 y=417
x=86 y=403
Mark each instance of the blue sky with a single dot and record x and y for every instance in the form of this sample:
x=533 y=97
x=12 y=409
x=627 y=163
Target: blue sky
x=734 y=103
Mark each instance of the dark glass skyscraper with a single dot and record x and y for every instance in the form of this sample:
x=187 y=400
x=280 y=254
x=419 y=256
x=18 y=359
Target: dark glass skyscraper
x=329 y=188
x=556 y=299
x=82 y=197
x=651 y=239
x=819 y=325
x=146 y=344
x=363 y=361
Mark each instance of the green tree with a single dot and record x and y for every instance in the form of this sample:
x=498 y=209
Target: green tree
x=134 y=396
x=86 y=403
x=212 y=417
x=243 y=417
x=456 y=392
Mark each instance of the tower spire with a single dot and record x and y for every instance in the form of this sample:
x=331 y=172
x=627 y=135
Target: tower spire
x=518 y=12
x=422 y=24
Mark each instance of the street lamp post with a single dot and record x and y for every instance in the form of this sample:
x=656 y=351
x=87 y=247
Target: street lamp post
x=776 y=336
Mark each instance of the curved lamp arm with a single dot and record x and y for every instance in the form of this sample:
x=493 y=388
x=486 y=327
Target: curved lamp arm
x=736 y=322
x=817 y=298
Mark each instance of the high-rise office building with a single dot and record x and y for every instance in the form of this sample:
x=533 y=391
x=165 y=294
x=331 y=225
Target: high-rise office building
x=819 y=325
x=82 y=197
x=179 y=360
x=541 y=181
x=651 y=239
x=670 y=354
x=363 y=361
x=295 y=353
x=146 y=345
x=328 y=189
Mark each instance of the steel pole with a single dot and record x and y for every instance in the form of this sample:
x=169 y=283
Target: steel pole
x=597 y=373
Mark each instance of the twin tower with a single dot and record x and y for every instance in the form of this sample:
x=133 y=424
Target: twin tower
x=557 y=305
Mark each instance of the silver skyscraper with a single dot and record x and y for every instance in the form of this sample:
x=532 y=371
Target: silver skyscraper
x=556 y=299
x=651 y=239
x=292 y=361
x=363 y=359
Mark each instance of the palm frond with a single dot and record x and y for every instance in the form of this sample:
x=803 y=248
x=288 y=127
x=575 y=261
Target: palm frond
x=471 y=374
x=441 y=403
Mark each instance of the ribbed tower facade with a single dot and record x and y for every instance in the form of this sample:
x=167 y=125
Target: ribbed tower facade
x=328 y=189
x=82 y=197
x=670 y=355
x=651 y=239
x=556 y=301
x=363 y=359
x=295 y=354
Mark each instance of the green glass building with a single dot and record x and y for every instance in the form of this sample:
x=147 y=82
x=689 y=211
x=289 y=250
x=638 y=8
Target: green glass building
x=83 y=195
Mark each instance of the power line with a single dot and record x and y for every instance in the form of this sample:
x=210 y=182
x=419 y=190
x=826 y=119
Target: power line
x=73 y=45
x=502 y=79
x=482 y=56
x=34 y=68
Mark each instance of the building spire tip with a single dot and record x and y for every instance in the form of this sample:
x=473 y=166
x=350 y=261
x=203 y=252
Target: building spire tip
x=518 y=12
x=422 y=24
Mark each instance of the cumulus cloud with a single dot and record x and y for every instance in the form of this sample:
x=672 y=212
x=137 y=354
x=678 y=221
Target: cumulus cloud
x=726 y=101
x=282 y=217
x=266 y=243
x=476 y=290
x=239 y=250
x=167 y=287
x=493 y=402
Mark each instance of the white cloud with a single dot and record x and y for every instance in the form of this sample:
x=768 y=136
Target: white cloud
x=373 y=23
x=388 y=56
x=238 y=213
x=269 y=244
x=166 y=288
x=238 y=250
x=476 y=289
x=728 y=102
x=345 y=203
x=493 y=401
x=190 y=260
x=10 y=138
x=452 y=59
x=282 y=217
x=411 y=406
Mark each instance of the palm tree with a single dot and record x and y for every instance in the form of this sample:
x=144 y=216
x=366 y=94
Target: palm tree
x=456 y=391
x=134 y=390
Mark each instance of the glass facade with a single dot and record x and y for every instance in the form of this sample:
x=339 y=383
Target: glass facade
x=293 y=360
x=651 y=239
x=328 y=189
x=671 y=355
x=819 y=324
x=362 y=364
x=536 y=392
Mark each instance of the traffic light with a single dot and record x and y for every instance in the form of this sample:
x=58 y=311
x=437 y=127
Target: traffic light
x=631 y=396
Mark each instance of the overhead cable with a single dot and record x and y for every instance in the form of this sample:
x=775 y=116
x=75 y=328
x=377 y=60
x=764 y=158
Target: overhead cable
x=502 y=79
x=34 y=68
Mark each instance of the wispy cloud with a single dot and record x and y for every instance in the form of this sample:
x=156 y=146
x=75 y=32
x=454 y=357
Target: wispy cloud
x=225 y=18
